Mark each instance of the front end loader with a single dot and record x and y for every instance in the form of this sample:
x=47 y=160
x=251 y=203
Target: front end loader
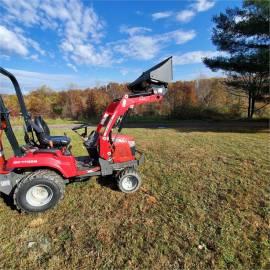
x=38 y=171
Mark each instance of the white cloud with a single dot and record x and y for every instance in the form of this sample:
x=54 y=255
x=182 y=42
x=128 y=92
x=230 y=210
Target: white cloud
x=80 y=31
x=29 y=80
x=146 y=47
x=134 y=30
x=197 y=74
x=124 y=71
x=11 y=42
x=34 y=57
x=87 y=54
x=203 y=5
x=21 y=10
x=73 y=67
x=14 y=42
x=194 y=57
x=179 y=36
x=161 y=15
x=35 y=45
x=66 y=46
x=185 y=15
x=79 y=28
x=139 y=47
x=5 y=57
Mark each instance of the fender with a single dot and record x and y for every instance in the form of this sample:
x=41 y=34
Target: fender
x=65 y=165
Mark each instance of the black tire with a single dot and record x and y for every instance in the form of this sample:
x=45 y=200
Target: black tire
x=133 y=177
x=49 y=181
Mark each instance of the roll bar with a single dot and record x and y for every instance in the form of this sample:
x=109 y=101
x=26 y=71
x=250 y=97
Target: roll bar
x=26 y=115
x=4 y=117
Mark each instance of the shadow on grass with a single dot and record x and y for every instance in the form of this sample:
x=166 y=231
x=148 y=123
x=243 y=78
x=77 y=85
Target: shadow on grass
x=238 y=126
x=108 y=182
x=8 y=200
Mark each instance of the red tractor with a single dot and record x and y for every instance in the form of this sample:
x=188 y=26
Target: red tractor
x=37 y=173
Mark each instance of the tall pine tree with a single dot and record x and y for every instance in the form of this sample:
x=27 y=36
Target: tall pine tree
x=242 y=34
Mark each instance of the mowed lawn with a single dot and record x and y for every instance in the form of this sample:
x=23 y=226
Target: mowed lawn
x=204 y=204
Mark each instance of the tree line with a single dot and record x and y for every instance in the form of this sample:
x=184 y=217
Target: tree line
x=202 y=98
x=241 y=34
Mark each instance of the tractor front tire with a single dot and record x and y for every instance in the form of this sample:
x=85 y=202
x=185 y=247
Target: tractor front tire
x=39 y=191
x=129 y=181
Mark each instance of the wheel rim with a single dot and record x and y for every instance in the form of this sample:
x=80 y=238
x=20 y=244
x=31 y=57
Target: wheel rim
x=39 y=195
x=130 y=182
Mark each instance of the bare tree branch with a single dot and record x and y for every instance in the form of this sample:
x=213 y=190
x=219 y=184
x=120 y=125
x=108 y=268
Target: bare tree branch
x=262 y=107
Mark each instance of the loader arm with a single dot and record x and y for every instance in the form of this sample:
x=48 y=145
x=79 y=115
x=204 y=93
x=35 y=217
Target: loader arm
x=114 y=111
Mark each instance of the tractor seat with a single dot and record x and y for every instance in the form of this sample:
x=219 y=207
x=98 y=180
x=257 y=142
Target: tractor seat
x=43 y=134
x=59 y=141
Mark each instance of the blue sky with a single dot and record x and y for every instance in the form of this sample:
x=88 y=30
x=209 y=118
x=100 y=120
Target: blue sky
x=75 y=43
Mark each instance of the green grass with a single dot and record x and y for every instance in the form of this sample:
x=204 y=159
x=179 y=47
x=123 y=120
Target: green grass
x=204 y=204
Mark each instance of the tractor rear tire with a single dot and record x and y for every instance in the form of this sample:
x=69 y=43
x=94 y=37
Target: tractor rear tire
x=129 y=180
x=39 y=191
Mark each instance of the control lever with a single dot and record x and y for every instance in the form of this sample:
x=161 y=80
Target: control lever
x=84 y=134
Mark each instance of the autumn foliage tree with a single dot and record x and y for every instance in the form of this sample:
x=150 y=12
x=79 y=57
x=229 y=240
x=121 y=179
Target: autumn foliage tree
x=185 y=99
x=40 y=101
x=181 y=97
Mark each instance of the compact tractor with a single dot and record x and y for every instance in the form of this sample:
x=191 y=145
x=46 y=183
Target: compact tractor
x=37 y=172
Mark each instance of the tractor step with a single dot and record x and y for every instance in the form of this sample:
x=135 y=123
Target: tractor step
x=84 y=163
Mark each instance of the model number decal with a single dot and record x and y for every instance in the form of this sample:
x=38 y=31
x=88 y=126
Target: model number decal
x=5 y=183
x=31 y=161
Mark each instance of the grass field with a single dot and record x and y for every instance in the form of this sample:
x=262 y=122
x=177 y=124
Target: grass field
x=204 y=204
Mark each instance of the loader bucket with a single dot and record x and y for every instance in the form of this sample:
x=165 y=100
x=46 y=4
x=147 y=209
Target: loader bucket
x=160 y=74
